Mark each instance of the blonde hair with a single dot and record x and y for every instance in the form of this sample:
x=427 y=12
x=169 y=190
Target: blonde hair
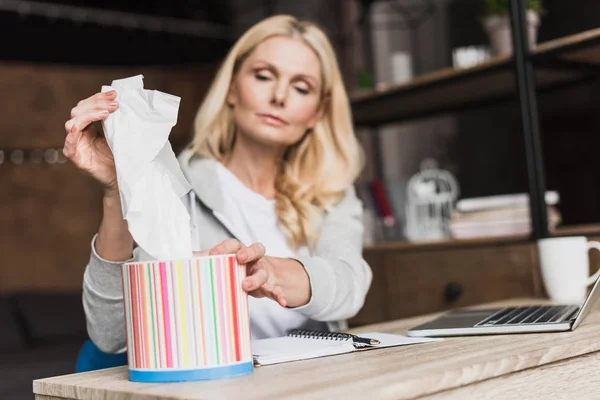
x=315 y=172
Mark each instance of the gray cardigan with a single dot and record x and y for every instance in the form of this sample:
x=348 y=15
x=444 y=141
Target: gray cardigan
x=339 y=276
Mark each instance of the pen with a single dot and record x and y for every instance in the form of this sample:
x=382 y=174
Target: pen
x=363 y=340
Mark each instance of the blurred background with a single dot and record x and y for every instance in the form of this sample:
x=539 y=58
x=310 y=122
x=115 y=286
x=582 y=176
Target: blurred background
x=434 y=100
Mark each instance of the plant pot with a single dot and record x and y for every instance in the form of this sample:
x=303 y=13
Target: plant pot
x=499 y=32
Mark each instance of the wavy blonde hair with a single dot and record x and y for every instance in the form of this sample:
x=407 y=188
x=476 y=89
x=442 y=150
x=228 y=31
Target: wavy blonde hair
x=315 y=172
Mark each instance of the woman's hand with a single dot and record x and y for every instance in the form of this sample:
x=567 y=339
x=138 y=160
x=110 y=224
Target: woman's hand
x=85 y=145
x=268 y=276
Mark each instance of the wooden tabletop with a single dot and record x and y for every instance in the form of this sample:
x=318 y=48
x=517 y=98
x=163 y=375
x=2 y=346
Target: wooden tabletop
x=466 y=367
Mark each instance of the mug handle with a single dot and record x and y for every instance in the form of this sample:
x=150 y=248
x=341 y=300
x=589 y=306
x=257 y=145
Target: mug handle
x=593 y=278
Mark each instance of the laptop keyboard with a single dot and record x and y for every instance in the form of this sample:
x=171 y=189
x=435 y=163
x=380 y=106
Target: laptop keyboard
x=529 y=315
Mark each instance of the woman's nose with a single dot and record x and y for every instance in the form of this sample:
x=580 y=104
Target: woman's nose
x=279 y=95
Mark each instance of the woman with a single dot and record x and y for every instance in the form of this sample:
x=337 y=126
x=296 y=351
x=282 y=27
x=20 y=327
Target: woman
x=272 y=167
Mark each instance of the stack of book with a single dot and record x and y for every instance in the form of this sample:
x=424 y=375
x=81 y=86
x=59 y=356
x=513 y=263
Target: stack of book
x=503 y=215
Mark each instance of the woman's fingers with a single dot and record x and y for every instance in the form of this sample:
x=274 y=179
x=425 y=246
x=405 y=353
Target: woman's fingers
x=257 y=283
x=279 y=296
x=94 y=107
x=97 y=102
x=254 y=252
x=229 y=246
x=266 y=290
x=256 y=280
x=75 y=128
x=245 y=255
x=82 y=121
x=71 y=142
x=100 y=96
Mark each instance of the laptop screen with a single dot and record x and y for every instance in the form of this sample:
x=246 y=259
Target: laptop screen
x=587 y=304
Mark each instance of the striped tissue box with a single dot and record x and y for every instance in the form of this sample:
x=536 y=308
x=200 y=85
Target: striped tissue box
x=186 y=319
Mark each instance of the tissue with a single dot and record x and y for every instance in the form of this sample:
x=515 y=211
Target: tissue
x=151 y=183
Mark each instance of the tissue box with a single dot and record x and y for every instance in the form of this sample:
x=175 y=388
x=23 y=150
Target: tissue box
x=186 y=319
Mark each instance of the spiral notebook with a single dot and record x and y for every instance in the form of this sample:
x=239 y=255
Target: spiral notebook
x=306 y=344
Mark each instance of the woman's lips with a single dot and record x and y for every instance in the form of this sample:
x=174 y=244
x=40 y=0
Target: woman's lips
x=272 y=119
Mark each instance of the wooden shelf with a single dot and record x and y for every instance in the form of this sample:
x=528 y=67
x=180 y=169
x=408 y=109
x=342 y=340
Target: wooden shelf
x=582 y=47
x=578 y=230
x=571 y=230
x=559 y=62
x=444 y=244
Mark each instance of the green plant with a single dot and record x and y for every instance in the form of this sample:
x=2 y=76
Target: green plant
x=495 y=7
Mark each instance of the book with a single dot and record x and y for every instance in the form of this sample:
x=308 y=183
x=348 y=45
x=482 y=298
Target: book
x=498 y=222
x=306 y=344
x=502 y=201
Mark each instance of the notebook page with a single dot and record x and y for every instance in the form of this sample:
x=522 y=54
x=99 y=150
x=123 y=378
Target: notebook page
x=284 y=349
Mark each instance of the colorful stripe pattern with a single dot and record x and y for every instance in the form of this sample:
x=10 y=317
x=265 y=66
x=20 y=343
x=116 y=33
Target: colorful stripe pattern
x=186 y=314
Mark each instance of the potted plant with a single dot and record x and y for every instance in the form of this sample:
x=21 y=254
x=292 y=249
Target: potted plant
x=496 y=21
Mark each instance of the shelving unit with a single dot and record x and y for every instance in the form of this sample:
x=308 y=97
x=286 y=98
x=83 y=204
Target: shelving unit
x=411 y=278
x=565 y=61
x=559 y=62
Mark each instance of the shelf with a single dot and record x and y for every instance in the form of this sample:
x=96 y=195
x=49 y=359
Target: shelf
x=590 y=230
x=582 y=47
x=559 y=62
x=406 y=246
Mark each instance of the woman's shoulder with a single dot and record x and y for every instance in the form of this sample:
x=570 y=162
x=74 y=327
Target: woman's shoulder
x=189 y=154
x=349 y=202
x=190 y=160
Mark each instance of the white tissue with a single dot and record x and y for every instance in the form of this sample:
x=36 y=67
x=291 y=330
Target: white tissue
x=151 y=183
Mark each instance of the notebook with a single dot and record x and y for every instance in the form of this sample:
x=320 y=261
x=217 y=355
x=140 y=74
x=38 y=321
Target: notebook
x=305 y=344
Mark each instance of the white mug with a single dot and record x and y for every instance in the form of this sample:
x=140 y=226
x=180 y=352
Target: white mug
x=565 y=267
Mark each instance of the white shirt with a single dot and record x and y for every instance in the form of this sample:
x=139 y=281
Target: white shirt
x=254 y=220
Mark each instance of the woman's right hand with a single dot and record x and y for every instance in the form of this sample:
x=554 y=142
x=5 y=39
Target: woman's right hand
x=86 y=145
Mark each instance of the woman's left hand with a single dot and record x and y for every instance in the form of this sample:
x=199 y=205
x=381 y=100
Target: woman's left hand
x=261 y=278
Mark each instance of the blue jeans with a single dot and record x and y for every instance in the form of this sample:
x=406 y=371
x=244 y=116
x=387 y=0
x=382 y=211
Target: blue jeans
x=91 y=358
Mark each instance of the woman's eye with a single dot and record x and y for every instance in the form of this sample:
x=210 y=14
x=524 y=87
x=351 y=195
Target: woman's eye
x=302 y=90
x=262 y=77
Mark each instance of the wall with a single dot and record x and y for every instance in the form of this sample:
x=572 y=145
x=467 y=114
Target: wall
x=49 y=212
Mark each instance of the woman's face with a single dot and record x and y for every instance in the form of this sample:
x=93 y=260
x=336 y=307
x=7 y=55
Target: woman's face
x=276 y=94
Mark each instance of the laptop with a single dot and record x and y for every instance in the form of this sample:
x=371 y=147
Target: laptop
x=504 y=320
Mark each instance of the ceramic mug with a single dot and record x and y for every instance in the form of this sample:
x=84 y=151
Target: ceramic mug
x=565 y=266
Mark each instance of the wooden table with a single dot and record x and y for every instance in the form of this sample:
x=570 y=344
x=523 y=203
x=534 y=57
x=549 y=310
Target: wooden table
x=552 y=365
